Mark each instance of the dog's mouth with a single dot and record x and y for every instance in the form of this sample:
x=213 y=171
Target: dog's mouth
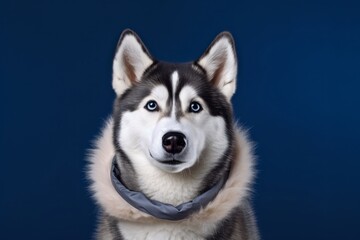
x=172 y=161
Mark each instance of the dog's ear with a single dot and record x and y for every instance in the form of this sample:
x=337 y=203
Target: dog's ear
x=219 y=62
x=130 y=61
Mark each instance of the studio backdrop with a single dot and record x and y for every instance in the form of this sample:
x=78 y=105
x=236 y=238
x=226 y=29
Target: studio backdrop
x=297 y=94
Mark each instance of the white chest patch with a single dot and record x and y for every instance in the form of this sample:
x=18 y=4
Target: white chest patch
x=166 y=231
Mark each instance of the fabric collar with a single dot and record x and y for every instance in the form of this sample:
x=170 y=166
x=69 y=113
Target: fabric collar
x=163 y=210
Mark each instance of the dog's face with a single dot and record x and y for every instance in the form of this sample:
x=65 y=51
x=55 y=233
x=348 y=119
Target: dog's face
x=172 y=115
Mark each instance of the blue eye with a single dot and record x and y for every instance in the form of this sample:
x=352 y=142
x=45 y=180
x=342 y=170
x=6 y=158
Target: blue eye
x=151 y=106
x=195 y=107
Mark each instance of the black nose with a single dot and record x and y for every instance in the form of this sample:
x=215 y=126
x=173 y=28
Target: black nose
x=174 y=142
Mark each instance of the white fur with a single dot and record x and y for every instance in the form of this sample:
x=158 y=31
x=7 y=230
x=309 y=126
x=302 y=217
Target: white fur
x=174 y=81
x=168 y=231
x=139 y=225
x=130 y=50
x=222 y=53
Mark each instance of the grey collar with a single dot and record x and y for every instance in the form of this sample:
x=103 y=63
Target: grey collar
x=159 y=209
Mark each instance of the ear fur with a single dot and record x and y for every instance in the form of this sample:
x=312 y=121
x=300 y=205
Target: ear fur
x=130 y=61
x=220 y=63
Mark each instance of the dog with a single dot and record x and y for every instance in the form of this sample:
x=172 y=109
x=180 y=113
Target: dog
x=171 y=163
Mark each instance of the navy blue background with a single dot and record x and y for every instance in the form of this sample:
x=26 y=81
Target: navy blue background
x=298 y=92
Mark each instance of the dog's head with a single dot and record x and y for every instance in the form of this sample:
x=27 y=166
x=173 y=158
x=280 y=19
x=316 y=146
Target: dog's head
x=173 y=115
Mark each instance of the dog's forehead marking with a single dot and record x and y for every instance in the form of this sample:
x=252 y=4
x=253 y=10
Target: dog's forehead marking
x=174 y=83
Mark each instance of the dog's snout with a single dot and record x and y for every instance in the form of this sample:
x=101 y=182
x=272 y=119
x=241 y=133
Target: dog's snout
x=174 y=142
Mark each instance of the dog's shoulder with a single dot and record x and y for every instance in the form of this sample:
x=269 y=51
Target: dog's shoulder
x=238 y=225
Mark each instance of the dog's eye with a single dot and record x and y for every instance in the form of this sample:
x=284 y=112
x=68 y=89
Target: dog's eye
x=195 y=107
x=151 y=106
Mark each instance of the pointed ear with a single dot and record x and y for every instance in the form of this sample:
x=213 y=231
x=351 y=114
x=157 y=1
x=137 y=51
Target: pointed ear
x=130 y=62
x=219 y=62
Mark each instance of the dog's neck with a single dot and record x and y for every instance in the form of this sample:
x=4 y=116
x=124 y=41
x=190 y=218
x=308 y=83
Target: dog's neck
x=160 y=209
x=167 y=187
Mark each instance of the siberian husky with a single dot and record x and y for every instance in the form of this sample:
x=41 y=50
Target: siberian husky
x=170 y=162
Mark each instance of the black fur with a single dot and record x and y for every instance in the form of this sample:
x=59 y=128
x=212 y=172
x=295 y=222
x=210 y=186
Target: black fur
x=108 y=225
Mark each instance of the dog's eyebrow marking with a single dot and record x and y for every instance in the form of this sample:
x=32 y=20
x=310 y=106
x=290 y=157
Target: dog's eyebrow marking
x=160 y=92
x=174 y=83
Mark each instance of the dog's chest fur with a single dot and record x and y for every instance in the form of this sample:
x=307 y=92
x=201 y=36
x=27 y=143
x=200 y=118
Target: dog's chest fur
x=171 y=231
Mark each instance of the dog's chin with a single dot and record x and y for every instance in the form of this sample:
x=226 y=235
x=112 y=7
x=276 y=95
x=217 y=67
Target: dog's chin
x=171 y=168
